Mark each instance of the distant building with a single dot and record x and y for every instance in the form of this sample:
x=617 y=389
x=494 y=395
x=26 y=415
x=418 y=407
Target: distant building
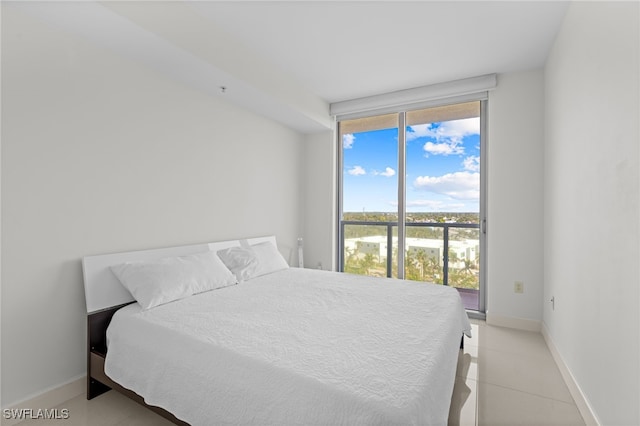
x=433 y=248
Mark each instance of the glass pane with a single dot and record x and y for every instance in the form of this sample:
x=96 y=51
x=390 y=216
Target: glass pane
x=464 y=264
x=370 y=162
x=443 y=164
x=443 y=187
x=394 y=252
x=369 y=193
x=424 y=253
x=365 y=249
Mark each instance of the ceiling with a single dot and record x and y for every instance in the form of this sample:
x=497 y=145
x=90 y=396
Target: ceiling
x=289 y=60
x=347 y=50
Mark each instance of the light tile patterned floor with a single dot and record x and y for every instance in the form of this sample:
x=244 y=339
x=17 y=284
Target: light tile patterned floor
x=505 y=377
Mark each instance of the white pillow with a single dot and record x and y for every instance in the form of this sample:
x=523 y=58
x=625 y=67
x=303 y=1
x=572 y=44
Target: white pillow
x=241 y=261
x=155 y=282
x=254 y=261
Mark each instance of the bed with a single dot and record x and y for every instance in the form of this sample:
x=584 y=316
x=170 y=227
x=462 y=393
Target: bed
x=291 y=346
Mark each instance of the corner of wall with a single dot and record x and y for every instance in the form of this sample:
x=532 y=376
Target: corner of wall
x=319 y=199
x=515 y=194
x=513 y=322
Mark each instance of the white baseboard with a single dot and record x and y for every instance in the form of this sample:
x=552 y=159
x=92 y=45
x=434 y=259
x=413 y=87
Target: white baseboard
x=49 y=398
x=512 y=322
x=581 y=401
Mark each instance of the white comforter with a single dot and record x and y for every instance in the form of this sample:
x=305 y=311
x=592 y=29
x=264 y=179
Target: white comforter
x=295 y=347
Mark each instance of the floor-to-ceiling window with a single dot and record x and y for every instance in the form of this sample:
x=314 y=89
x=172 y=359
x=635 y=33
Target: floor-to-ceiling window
x=411 y=196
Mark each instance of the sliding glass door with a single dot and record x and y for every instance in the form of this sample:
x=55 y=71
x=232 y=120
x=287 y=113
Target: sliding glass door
x=412 y=197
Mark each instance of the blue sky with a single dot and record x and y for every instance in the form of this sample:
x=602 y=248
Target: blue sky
x=442 y=168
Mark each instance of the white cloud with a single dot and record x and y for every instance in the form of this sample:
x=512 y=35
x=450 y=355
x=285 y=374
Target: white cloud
x=418 y=131
x=448 y=135
x=472 y=163
x=458 y=185
x=388 y=172
x=357 y=171
x=460 y=128
x=347 y=140
x=446 y=148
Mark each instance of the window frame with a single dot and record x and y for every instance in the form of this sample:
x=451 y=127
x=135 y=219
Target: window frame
x=401 y=111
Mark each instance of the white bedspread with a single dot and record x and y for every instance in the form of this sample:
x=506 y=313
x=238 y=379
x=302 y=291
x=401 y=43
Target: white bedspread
x=296 y=347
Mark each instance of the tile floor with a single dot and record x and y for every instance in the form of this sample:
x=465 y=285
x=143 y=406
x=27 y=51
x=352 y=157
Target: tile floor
x=505 y=377
x=508 y=377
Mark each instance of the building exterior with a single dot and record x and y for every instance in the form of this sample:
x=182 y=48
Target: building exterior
x=376 y=245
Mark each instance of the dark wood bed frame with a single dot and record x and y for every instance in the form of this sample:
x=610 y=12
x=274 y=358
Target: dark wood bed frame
x=105 y=295
x=102 y=307
x=97 y=381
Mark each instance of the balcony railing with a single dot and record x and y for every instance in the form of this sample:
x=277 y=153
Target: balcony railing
x=444 y=253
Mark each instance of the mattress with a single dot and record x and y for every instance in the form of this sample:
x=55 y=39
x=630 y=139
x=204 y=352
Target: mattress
x=295 y=347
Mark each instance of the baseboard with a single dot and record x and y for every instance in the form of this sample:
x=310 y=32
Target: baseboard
x=512 y=322
x=581 y=401
x=48 y=399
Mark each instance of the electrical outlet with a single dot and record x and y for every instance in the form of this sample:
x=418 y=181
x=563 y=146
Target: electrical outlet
x=518 y=287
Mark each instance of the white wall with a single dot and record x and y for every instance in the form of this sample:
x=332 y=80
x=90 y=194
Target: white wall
x=102 y=155
x=515 y=152
x=319 y=210
x=591 y=238
x=514 y=197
